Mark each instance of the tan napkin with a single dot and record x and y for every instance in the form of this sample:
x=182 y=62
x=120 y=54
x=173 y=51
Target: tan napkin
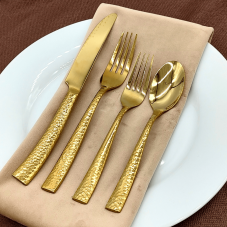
x=166 y=38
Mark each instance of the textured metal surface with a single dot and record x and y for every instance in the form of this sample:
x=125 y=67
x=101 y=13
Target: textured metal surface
x=165 y=91
x=132 y=96
x=75 y=80
x=111 y=78
x=121 y=192
x=88 y=185
x=60 y=170
x=29 y=168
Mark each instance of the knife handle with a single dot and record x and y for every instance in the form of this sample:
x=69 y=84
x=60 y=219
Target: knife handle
x=61 y=168
x=88 y=185
x=122 y=190
x=35 y=160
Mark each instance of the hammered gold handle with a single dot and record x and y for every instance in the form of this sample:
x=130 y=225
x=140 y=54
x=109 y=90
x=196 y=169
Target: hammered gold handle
x=88 y=185
x=61 y=168
x=30 y=167
x=122 y=190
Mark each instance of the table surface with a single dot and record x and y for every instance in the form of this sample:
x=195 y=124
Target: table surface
x=24 y=22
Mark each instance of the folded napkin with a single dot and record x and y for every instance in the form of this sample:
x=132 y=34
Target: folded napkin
x=165 y=38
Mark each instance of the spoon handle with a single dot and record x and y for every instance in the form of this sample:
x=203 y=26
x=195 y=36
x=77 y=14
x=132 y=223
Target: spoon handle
x=122 y=190
x=91 y=179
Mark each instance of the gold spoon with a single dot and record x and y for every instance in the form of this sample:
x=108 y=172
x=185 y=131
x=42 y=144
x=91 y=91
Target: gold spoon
x=165 y=91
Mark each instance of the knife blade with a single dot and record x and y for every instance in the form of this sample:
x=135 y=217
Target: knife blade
x=75 y=80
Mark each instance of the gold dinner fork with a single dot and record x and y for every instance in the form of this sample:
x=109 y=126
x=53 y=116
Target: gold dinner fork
x=113 y=77
x=132 y=96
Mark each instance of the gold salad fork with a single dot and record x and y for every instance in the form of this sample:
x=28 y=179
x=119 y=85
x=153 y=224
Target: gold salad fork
x=113 y=77
x=132 y=96
x=165 y=91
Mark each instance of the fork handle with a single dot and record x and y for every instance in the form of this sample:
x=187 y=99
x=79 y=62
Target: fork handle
x=35 y=160
x=88 y=185
x=61 y=168
x=122 y=190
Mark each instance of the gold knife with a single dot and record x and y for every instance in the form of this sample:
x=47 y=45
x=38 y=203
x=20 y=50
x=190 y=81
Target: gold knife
x=75 y=81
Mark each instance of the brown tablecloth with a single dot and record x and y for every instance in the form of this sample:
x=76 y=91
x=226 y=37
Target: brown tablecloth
x=24 y=22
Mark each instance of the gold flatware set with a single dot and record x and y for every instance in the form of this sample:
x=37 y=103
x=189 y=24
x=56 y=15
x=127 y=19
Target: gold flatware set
x=165 y=91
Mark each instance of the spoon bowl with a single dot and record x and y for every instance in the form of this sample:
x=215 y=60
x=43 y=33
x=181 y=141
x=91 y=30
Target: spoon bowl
x=167 y=86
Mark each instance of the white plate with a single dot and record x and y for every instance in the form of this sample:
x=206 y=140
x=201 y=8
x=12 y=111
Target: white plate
x=190 y=173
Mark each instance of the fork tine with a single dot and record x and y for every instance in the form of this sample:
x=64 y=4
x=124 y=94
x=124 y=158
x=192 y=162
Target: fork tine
x=140 y=84
x=129 y=62
x=120 y=54
x=133 y=72
x=125 y=55
x=135 y=84
x=112 y=59
x=146 y=84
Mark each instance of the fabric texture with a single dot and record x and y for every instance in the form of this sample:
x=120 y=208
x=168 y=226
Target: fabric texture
x=97 y=69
